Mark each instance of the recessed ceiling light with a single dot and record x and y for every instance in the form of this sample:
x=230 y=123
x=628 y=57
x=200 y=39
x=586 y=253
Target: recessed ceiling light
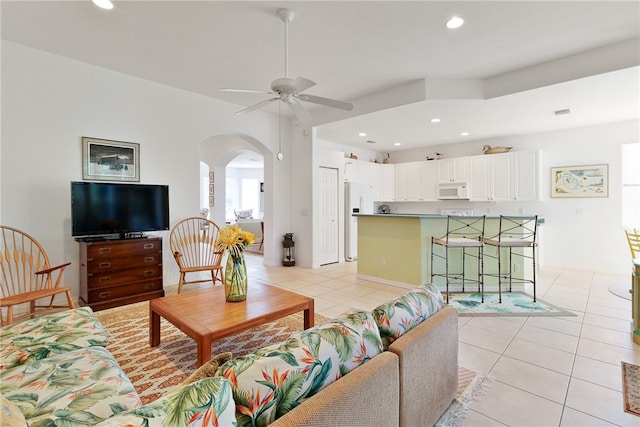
x=397 y=143
x=464 y=134
x=455 y=22
x=362 y=134
x=435 y=120
x=105 y=4
x=561 y=112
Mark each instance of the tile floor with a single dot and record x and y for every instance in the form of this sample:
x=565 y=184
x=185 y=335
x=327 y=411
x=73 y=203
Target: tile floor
x=562 y=371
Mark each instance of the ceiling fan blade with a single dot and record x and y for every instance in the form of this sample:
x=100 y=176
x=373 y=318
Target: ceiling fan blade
x=301 y=84
x=225 y=89
x=300 y=112
x=334 y=103
x=256 y=106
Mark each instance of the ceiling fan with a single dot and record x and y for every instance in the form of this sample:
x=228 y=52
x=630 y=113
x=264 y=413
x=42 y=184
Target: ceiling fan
x=290 y=91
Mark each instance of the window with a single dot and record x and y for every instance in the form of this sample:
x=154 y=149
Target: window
x=631 y=185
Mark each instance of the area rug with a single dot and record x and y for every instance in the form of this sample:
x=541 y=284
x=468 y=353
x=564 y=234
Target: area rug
x=154 y=371
x=631 y=388
x=513 y=304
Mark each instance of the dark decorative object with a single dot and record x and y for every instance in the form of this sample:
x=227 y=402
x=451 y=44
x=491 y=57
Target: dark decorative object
x=288 y=249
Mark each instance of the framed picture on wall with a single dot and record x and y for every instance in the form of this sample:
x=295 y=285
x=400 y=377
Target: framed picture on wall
x=580 y=181
x=107 y=160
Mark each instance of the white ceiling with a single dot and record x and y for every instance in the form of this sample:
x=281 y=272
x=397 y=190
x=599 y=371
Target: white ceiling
x=512 y=64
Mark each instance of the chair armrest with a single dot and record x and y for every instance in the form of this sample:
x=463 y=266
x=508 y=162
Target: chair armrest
x=50 y=270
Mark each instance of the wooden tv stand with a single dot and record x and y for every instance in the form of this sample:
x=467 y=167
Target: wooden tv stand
x=119 y=272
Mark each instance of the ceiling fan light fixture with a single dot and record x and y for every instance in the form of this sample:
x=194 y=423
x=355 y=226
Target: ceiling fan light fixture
x=454 y=22
x=103 y=4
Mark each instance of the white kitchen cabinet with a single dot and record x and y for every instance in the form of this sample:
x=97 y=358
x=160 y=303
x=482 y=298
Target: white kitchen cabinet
x=429 y=181
x=415 y=181
x=401 y=182
x=502 y=177
x=453 y=170
x=386 y=182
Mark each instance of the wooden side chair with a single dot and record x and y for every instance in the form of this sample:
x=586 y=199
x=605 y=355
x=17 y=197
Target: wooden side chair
x=192 y=243
x=633 y=238
x=27 y=276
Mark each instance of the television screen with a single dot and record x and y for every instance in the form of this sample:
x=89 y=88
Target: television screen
x=99 y=208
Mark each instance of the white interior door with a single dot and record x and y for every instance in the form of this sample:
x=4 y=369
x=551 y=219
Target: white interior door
x=328 y=236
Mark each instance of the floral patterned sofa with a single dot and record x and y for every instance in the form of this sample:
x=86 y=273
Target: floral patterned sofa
x=395 y=365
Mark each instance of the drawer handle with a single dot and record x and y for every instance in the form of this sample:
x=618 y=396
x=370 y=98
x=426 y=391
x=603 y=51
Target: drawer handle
x=104 y=250
x=105 y=279
x=104 y=265
x=148 y=245
x=104 y=294
x=149 y=259
x=149 y=286
x=149 y=273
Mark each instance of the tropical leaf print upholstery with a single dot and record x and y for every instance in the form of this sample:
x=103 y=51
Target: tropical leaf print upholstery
x=275 y=379
x=397 y=317
x=208 y=402
x=81 y=387
x=10 y=414
x=44 y=336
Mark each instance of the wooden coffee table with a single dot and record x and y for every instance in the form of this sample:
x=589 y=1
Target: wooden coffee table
x=205 y=316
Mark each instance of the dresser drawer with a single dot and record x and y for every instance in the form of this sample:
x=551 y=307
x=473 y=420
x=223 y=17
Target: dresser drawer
x=112 y=278
x=101 y=265
x=125 y=248
x=106 y=294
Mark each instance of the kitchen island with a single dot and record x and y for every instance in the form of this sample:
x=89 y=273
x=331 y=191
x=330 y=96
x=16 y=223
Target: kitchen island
x=395 y=249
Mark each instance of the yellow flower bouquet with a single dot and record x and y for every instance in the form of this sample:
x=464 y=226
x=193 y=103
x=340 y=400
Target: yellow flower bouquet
x=235 y=240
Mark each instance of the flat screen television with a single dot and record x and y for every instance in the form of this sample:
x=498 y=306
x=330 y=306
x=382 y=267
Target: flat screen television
x=113 y=210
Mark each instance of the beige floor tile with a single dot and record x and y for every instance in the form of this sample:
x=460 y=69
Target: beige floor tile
x=483 y=338
x=549 y=338
x=609 y=312
x=621 y=339
x=557 y=324
x=608 y=353
x=600 y=402
x=534 y=379
x=476 y=358
x=573 y=418
x=541 y=355
x=514 y=407
x=601 y=373
x=500 y=325
x=476 y=419
x=619 y=325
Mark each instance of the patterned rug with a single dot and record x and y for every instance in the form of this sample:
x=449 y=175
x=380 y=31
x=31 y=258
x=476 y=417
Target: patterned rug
x=154 y=371
x=513 y=304
x=631 y=388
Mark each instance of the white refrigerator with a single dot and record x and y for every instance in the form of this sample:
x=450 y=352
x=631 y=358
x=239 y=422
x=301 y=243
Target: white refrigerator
x=358 y=197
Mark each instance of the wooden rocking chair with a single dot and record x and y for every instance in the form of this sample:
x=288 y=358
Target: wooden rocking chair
x=192 y=243
x=27 y=275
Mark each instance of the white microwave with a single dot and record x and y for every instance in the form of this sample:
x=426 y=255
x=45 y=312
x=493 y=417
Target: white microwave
x=453 y=191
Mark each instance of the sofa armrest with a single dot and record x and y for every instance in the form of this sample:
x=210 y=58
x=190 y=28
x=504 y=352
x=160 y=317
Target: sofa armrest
x=428 y=356
x=366 y=396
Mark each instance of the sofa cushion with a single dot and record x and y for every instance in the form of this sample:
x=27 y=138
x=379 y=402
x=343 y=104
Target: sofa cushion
x=82 y=386
x=208 y=402
x=209 y=369
x=275 y=379
x=10 y=414
x=397 y=317
x=44 y=336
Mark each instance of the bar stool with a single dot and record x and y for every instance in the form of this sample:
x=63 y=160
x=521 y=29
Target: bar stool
x=463 y=232
x=515 y=232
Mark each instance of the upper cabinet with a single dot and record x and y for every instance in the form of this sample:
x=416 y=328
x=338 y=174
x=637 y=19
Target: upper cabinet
x=386 y=184
x=453 y=170
x=502 y=177
x=415 y=181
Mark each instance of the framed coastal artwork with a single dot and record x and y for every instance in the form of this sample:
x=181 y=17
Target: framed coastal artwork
x=580 y=181
x=107 y=160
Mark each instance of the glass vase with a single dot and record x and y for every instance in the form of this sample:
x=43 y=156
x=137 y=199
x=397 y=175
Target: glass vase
x=235 y=278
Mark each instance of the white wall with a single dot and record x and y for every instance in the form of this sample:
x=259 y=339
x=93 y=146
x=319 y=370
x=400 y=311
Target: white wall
x=578 y=233
x=49 y=102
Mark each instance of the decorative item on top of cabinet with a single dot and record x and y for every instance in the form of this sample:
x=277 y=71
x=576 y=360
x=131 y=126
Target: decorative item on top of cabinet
x=119 y=272
x=487 y=149
x=386 y=158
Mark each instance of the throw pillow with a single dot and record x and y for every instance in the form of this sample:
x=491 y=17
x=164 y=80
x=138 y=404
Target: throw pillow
x=397 y=317
x=204 y=403
x=208 y=369
x=271 y=381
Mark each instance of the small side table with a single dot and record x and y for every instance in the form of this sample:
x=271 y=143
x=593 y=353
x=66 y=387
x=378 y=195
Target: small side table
x=635 y=299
